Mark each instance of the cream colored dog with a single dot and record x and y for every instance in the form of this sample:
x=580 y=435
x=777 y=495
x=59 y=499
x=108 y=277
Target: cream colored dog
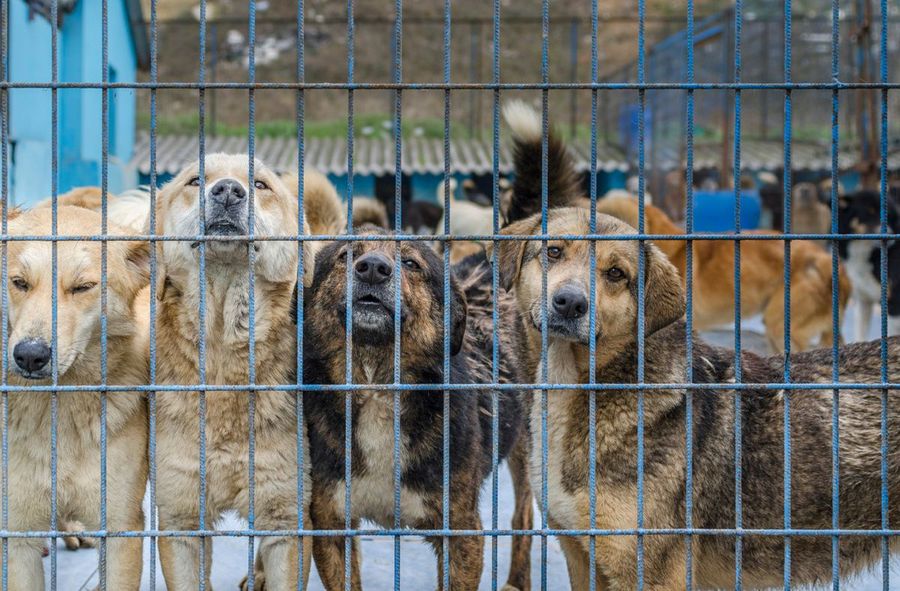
x=77 y=357
x=275 y=422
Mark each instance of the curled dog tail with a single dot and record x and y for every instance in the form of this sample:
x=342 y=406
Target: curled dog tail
x=322 y=207
x=562 y=180
x=368 y=210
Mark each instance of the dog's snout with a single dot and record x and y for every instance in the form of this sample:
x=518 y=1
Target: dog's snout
x=227 y=192
x=570 y=302
x=31 y=355
x=373 y=268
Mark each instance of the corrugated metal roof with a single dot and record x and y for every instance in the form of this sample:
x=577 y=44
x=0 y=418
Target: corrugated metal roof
x=370 y=156
x=761 y=155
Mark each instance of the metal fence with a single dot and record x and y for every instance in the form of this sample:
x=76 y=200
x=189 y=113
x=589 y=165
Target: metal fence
x=782 y=96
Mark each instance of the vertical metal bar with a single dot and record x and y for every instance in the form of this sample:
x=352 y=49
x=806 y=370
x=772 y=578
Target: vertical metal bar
x=151 y=395
x=251 y=296
x=348 y=320
x=4 y=302
x=835 y=300
x=545 y=452
x=788 y=173
x=642 y=99
x=495 y=290
x=592 y=305
x=883 y=197
x=397 y=69
x=201 y=345
x=54 y=299
x=689 y=303
x=104 y=295
x=738 y=359
x=301 y=216
x=445 y=427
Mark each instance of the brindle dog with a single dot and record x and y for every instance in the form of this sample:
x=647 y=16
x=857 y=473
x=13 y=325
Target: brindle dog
x=762 y=411
x=422 y=412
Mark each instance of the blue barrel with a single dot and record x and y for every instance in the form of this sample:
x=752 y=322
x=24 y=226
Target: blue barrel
x=714 y=210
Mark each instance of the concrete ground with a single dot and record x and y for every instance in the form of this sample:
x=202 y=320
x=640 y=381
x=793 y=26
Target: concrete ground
x=78 y=570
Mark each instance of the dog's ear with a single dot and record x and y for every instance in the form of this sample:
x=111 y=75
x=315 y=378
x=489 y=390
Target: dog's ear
x=663 y=293
x=512 y=251
x=459 y=309
x=137 y=258
x=161 y=277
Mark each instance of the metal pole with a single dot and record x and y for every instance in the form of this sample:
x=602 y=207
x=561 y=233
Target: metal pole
x=573 y=76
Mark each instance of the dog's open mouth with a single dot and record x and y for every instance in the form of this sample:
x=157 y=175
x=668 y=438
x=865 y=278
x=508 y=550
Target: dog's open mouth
x=223 y=228
x=368 y=300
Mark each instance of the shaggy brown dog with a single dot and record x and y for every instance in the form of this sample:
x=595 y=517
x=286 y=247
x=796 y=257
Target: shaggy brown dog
x=421 y=412
x=762 y=261
x=227 y=361
x=77 y=358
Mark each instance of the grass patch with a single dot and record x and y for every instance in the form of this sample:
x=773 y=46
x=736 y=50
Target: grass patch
x=364 y=126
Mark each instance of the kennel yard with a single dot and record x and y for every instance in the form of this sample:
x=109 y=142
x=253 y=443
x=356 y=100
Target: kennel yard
x=641 y=127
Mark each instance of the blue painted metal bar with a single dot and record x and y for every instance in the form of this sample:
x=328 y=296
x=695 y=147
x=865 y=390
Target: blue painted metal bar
x=4 y=295
x=787 y=293
x=883 y=199
x=348 y=320
x=104 y=284
x=495 y=289
x=251 y=295
x=54 y=298
x=444 y=569
x=689 y=304
x=302 y=467
x=545 y=127
x=592 y=307
x=641 y=321
x=397 y=67
x=151 y=394
x=201 y=345
x=835 y=300
x=738 y=366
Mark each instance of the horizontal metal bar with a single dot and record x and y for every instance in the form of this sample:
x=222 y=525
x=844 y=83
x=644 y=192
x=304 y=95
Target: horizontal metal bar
x=834 y=85
x=326 y=533
x=442 y=237
x=729 y=386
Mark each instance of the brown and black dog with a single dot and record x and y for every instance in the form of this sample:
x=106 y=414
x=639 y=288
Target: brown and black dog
x=422 y=412
x=762 y=410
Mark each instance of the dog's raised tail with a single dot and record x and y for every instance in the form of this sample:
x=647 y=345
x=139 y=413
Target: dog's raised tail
x=322 y=207
x=562 y=180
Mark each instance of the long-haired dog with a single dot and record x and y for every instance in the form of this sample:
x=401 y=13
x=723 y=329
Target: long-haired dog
x=422 y=416
x=622 y=416
x=76 y=361
x=762 y=261
x=275 y=425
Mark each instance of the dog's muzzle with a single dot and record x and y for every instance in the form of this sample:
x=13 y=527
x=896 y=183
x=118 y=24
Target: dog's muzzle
x=227 y=209
x=567 y=314
x=32 y=359
x=373 y=298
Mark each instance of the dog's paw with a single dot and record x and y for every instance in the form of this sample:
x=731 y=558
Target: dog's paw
x=75 y=542
x=259 y=583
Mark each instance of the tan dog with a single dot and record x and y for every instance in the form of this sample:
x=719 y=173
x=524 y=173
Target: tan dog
x=78 y=353
x=617 y=308
x=227 y=362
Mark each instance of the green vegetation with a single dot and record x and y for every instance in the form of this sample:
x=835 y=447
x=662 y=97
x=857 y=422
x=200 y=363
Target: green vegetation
x=367 y=125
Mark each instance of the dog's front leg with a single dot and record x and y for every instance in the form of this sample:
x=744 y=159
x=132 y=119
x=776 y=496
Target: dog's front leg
x=277 y=560
x=466 y=552
x=180 y=556
x=523 y=518
x=25 y=569
x=328 y=551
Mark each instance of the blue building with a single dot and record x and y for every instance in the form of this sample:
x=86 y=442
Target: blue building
x=79 y=47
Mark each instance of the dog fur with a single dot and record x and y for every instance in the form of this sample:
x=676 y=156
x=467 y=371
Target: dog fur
x=78 y=356
x=129 y=210
x=762 y=262
x=421 y=411
x=227 y=362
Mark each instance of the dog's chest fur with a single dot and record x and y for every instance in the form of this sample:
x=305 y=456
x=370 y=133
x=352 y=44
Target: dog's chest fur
x=866 y=285
x=372 y=486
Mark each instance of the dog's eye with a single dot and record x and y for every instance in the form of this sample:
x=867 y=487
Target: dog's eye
x=83 y=287
x=615 y=274
x=194 y=182
x=261 y=185
x=554 y=252
x=20 y=284
x=411 y=264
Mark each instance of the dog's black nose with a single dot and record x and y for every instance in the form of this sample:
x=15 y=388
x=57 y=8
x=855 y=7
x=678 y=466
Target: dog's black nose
x=570 y=302
x=227 y=192
x=31 y=355
x=373 y=268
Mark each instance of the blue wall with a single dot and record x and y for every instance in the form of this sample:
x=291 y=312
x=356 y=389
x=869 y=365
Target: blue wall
x=80 y=110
